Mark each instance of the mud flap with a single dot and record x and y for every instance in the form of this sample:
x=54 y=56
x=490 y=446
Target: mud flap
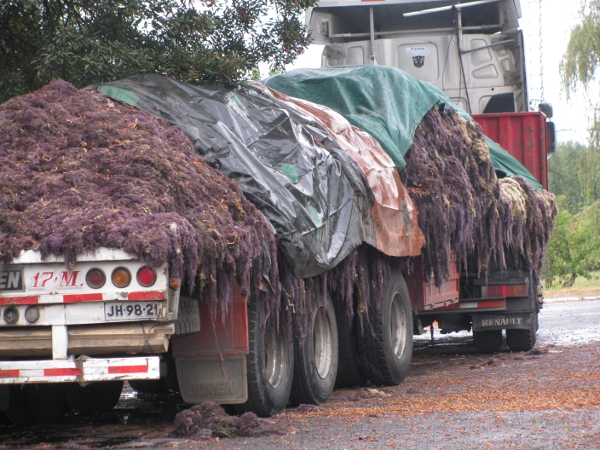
x=208 y=378
x=487 y=322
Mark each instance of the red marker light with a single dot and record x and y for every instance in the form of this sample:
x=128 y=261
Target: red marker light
x=146 y=276
x=95 y=278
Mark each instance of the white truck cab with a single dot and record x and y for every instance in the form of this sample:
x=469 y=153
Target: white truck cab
x=472 y=51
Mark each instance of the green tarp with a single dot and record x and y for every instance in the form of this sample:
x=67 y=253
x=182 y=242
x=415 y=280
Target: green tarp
x=384 y=101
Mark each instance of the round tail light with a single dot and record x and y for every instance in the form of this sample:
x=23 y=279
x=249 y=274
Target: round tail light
x=32 y=314
x=121 y=277
x=146 y=276
x=95 y=278
x=11 y=315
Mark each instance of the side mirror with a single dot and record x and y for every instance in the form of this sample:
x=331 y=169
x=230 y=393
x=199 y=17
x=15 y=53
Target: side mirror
x=550 y=137
x=546 y=108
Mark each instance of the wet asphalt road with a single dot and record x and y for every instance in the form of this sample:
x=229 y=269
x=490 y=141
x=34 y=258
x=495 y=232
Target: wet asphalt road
x=568 y=329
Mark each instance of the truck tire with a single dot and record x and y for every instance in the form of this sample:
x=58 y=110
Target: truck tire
x=188 y=316
x=167 y=382
x=34 y=403
x=95 y=397
x=316 y=359
x=348 y=373
x=269 y=365
x=386 y=343
x=487 y=341
x=523 y=340
x=149 y=386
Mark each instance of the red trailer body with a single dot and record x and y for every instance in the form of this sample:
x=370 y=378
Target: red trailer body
x=523 y=135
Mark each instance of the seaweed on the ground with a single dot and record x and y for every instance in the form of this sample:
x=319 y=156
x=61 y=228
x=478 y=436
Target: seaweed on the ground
x=209 y=420
x=80 y=171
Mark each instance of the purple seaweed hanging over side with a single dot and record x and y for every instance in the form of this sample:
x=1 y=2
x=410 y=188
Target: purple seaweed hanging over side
x=80 y=171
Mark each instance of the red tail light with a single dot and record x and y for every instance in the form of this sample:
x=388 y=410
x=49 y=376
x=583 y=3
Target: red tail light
x=146 y=276
x=95 y=278
x=506 y=291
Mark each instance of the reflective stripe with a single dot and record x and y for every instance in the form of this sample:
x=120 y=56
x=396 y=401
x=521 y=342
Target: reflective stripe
x=31 y=300
x=74 y=298
x=156 y=295
x=9 y=373
x=62 y=372
x=128 y=369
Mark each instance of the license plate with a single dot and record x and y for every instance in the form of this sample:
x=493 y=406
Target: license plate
x=137 y=310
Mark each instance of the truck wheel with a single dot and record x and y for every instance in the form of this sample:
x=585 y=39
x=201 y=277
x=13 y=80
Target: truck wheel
x=188 y=316
x=269 y=365
x=348 y=373
x=33 y=403
x=164 y=384
x=487 y=341
x=316 y=359
x=523 y=340
x=149 y=386
x=385 y=346
x=95 y=397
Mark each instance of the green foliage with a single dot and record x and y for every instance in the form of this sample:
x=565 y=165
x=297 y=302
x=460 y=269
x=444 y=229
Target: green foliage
x=574 y=173
x=582 y=58
x=574 y=177
x=85 y=41
x=583 y=51
x=563 y=178
x=575 y=246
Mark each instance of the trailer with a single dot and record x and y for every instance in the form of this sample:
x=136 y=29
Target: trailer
x=338 y=273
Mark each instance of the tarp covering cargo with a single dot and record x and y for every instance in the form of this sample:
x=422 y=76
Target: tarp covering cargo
x=384 y=101
x=315 y=196
x=394 y=214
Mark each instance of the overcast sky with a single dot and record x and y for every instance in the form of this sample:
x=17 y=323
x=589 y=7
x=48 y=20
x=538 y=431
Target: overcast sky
x=558 y=18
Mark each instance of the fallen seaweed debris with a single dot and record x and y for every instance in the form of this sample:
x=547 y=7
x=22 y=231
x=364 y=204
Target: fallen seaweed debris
x=209 y=420
x=80 y=171
x=305 y=408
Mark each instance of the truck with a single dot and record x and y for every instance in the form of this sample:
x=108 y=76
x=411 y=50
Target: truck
x=72 y=331
x=474 y=52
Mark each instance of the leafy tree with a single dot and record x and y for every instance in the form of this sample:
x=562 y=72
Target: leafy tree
x=563 y=179
x=582 y=58
x=574 y=173
x=575 y=246
x=85 y=41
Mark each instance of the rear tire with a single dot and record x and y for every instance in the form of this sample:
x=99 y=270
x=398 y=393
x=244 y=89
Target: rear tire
x=386 y=344
x=348 y=373
x=149 y=386
x=269 y=365
x=95 y=397
x=487 y=341
x=188 y=316
x=316 y=359
x=523 y=340
x=33 y=403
